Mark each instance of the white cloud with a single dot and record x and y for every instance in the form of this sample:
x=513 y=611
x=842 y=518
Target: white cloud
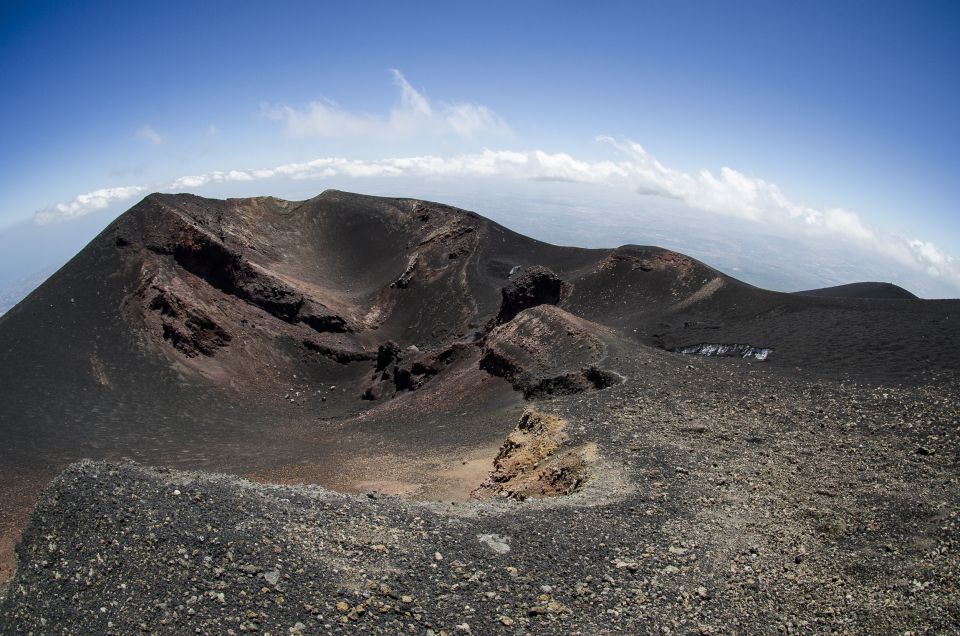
x=726 y=193
x=147 y=133
x=212 y=131
x=411 y=101
x=196 y=181
x=189 y=181
x=415 y=115
x=85 y=204
x=937 y=263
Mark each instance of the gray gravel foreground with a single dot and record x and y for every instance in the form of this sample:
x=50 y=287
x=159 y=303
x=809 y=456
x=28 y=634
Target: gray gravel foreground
x=771 y=509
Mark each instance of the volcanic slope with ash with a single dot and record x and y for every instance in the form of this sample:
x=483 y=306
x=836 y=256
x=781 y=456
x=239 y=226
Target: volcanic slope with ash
x=408 y=348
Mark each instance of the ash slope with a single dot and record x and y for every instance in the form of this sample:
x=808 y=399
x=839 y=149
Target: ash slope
x=368 y=344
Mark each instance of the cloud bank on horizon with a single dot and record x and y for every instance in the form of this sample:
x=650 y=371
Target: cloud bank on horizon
x=728 y=192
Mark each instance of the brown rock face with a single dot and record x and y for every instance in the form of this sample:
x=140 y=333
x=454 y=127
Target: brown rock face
x=537 y=461
x=545 y=350
x=185 y=325
x=209 y=258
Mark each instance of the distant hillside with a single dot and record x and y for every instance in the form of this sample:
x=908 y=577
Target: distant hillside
x=860 y=290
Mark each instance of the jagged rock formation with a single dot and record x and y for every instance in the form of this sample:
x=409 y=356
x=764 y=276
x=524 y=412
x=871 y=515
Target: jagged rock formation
x=396 y=372
x=529 y=288
x=515 y=351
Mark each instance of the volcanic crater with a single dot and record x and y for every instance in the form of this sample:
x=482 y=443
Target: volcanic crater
x=404 y=353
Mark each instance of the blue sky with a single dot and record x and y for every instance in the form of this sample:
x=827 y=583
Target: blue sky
x=830 y=126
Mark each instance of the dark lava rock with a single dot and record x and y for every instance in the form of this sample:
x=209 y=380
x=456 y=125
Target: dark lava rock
x=534 y=286
x=391 y=376
x=387 y=354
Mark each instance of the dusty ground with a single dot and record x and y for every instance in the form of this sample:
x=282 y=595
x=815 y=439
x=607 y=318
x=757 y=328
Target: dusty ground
x=723 y=500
